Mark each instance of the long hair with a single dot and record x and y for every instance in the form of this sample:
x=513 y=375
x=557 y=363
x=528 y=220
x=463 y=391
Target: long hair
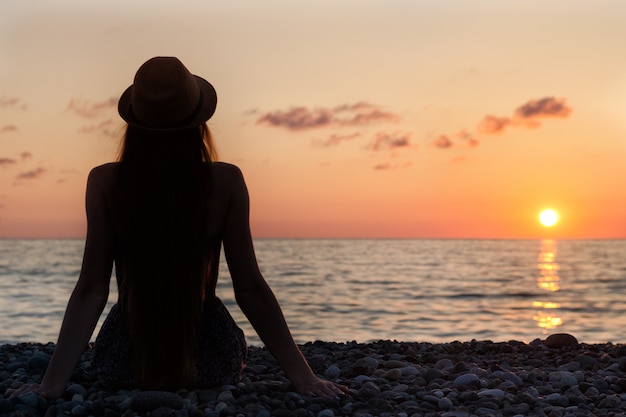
x=164 y=186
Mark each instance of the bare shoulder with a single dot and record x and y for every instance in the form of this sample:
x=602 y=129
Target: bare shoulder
x=225 y=168
x=103 y=175
x=104 y=169
x=227 y=174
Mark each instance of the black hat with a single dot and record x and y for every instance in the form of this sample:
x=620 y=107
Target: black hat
x=166 y=96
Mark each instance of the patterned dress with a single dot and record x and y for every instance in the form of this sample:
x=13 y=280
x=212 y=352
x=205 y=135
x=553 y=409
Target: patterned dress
x=222 y=347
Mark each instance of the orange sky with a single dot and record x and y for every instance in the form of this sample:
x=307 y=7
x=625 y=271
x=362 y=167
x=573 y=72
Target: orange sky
x=431 y=119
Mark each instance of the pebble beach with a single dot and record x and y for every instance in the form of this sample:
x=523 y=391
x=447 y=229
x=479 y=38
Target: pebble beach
x=555 y=377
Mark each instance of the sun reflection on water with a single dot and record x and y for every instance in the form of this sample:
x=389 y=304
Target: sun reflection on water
x=546 y=314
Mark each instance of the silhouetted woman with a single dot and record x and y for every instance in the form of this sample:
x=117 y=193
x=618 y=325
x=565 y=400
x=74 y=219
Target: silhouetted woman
x=160 y=216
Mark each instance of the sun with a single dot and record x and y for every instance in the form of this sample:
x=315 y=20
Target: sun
x=548 y=217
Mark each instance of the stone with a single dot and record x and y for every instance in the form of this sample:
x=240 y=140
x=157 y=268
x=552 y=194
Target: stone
x=226 y=397
x=393 y=374
x=445 y=404
x=509 y=376
x=5 y=406
x=332 y=372
x=150 y=400
x=466 y=379
x=409 y=371
x=74 y=389
x=366 y=366
x=39 y=363
x=492 y=393
x=369 y=389
x=390 y=364
x=560 y=340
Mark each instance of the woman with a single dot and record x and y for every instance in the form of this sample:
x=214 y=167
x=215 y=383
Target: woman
x=160 y=215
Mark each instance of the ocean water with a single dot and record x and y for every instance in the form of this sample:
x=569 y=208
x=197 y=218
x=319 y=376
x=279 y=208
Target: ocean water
x=364 y=290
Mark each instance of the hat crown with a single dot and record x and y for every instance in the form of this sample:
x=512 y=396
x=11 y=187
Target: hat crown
x=165 y=95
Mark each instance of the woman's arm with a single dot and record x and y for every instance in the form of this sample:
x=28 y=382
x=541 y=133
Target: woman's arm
x=88 y=298
x=258 y=302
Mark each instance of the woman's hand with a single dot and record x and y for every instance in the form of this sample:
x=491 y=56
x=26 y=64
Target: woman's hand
x=38 y=389
x=313 y=386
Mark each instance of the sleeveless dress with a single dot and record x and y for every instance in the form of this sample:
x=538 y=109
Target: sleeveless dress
x=222 y=348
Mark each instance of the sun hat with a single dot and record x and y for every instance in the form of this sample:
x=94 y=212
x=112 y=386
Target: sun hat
x=166 y=96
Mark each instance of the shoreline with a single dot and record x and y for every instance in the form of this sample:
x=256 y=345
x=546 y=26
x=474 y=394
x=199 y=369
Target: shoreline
x=553 y=377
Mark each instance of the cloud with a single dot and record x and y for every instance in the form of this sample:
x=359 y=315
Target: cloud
x=97 y=127
x=303 y=118
x=527 y=115
x=545 y=107
x=443 y=142
x=297 y=118
x=12 y=102
x=26 y=155
x=334 y=140
x=7 y=161
x=467 y=137
x=387 y=166
x=84 y=108
x=30 y=175
x=491 y=125
x=8 y=128
x=387 y=141
x=449 y=141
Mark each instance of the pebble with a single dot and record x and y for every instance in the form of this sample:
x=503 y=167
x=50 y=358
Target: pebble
x=560 y=340
x=386 y=378
x=492 y=393
x=466 y=379
x=333 y=372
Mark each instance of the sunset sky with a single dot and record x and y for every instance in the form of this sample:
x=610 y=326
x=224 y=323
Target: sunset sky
x=395 y=118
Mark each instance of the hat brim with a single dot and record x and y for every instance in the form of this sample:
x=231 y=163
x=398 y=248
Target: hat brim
x=204 y=111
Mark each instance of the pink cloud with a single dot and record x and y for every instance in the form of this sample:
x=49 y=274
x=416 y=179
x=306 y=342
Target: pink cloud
x=102 y=126
x=334 y=140
x=493 y=124
x=7 y=161
x=387 y=166
x=386 y=141
x=302 y=118
x=527 y=115
x=467 y=137
x=89 y=110
x=545 y=107
x=33 y=174
x=11 y=102
x=443 y=142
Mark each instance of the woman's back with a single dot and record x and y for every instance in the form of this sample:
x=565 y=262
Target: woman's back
x=168 y=306
x=226 y=183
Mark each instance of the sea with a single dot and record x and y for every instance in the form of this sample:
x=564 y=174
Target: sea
x=424 y=290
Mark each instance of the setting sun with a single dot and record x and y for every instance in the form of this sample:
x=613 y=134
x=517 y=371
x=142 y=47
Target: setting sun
x=548 y=217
